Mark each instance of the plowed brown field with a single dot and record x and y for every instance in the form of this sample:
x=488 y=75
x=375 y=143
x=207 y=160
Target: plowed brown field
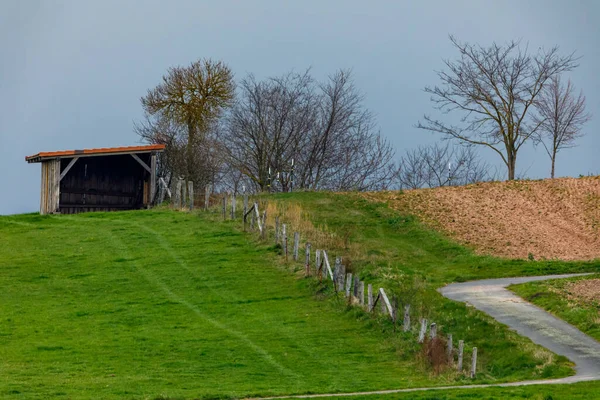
x=547 y=219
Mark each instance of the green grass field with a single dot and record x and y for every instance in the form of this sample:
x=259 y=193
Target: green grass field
x=551 y=296
x=161 y=304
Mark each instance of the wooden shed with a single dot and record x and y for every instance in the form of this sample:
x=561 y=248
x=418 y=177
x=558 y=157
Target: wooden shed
x=105 y=179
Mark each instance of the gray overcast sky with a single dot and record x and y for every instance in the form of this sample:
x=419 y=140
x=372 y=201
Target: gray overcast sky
x=72 y=72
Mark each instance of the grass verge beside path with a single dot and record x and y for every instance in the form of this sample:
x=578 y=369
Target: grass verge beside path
x=561 y=298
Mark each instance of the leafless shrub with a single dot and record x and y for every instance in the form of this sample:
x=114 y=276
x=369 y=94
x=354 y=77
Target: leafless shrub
x=441 y=165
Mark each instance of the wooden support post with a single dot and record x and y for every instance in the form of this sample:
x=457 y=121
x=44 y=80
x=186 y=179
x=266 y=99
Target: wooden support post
x=361 y=293
x=474 y=363
x=423 y=330
x=276 y=230
x=68 y=167
x=348 y=283
x=206 y=197
x=284 y=240
x=407 y=318
x=307 y=259
x=178 y=195
x=449 y=349
x=433 y=330
x=382 y=304
x=233 y=206
x=252 y=219
x=355 y=286
x=153 y=178
x=245 y=203
x=225 y=208
x=461 y=347
x=191 y=194
x=296 y=245
x=386 y=303
x=370 y=298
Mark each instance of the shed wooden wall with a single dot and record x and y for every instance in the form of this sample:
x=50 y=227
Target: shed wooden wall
x=50 y=186
x=104 y=183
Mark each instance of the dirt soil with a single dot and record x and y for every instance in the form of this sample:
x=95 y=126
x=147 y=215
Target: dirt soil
x=587 y=290
x=544 y=219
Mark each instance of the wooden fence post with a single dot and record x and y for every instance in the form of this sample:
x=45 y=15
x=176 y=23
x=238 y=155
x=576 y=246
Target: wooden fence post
x=328 y=267
x=433 y=330
x=449 y=349
x=386 y=305
x=233 y=206
x=348 y=283
x=252 y=220
x=178 y=195
x=191 y=194
x=162 y=188
x=370 y=297
x=183 y=194
x=263 y=232
x=474 y=363
x=284 y=233
x=361 y=293
x=355 y=287
x=206 y=197
x=296 y=245
x=276 y=230
x=341 y=277
x=423 y=330
x=318 y=265
x=407 y=318
x=224 y=206
x=307 y=259
x=461 y=347
x=260 y=226
x=245 y=203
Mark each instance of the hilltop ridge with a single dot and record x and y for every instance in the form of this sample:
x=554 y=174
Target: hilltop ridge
x=543 y=219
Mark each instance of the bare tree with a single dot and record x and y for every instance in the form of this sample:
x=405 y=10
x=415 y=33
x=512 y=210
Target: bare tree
x=494 y=89
x=561 y=116
x=187 y=104
x=322 y=128
x=441 y=165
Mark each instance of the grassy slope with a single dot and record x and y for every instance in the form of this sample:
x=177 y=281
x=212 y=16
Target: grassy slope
x=143 y=303
x=551 y=296
x=139 y=304
x=397 y=253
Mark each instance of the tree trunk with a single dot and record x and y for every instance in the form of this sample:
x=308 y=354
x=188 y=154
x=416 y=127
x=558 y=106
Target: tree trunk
x=553 y=161
x=512 y=160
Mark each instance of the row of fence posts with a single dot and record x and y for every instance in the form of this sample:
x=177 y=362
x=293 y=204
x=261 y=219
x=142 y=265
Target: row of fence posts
x=182 y=195
x=344 y=282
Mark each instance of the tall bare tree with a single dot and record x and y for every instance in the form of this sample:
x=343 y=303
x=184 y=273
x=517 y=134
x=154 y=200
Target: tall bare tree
x=494 y=90
x=322 y=127
x=561 y=116
x=190 y=99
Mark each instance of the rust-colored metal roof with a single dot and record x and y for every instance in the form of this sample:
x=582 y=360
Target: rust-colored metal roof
x=107 y=151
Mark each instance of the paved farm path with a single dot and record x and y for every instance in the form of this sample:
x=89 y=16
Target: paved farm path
x=492 y=297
